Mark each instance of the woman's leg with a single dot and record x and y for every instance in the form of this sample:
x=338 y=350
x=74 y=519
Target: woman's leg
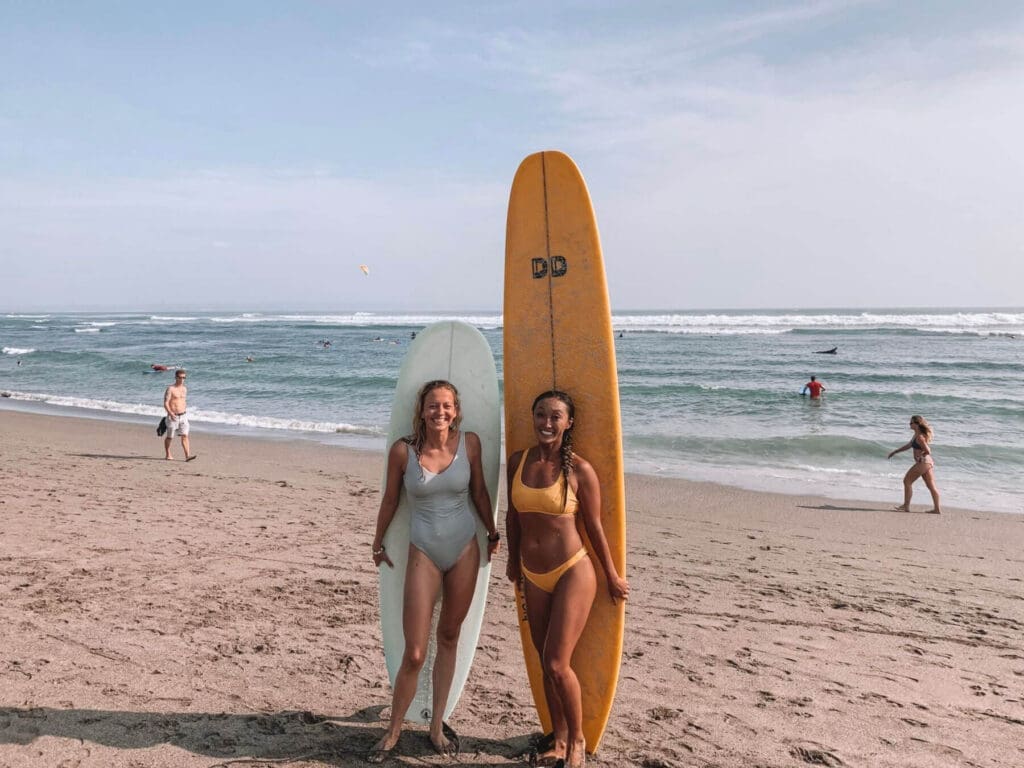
x=570 y=607
x=908 y=485
x=538 y=611
x=458 y=587
x=422 y=582
x=929 y=480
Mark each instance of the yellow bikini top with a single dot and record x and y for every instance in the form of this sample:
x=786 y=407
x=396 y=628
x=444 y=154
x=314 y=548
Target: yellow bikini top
x=544 y=501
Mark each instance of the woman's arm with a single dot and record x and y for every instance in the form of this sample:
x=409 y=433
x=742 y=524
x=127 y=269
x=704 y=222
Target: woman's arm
x=588 y=492
x=901 y=450
x=512 y=568
x=397 y=458
x=478 y=491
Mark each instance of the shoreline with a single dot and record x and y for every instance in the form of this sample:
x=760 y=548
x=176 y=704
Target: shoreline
x=362 y=444
x=224 y=611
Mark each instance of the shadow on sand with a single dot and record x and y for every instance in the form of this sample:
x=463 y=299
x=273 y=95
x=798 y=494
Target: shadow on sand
x=118 y=456
x=239 y=739
x=834 y=508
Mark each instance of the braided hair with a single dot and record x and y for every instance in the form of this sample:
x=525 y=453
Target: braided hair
x=419 y=427
x=565 y=451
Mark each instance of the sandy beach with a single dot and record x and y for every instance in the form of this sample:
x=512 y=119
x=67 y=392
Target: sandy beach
x=224 y=613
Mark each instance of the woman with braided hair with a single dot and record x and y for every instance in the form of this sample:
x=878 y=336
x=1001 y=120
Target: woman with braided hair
x=548 y=486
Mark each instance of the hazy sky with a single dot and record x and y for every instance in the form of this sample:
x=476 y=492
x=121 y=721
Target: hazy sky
x=252 y=154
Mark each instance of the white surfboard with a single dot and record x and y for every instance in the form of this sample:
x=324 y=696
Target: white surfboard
x=459 y=353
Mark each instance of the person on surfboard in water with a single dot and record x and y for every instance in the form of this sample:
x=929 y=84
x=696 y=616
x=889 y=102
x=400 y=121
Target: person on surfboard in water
x=548 y=486
x=440 y=467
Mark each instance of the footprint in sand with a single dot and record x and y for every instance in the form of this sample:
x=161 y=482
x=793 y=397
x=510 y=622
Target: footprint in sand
x=817 y=755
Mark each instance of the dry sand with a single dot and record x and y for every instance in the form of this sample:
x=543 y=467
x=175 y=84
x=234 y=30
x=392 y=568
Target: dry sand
x=224 y=613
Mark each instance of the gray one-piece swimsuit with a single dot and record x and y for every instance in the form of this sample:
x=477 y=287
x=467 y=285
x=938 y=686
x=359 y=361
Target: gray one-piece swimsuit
x=443 y=522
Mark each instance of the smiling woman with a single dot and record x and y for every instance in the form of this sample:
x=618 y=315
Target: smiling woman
x=435 y=530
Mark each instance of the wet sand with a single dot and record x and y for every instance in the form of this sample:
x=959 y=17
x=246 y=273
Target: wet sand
x=224 y=613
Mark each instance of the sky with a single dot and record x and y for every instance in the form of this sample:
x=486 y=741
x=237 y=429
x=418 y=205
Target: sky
x=252 y=154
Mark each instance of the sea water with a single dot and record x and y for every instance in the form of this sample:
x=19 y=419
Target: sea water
x=705 y=395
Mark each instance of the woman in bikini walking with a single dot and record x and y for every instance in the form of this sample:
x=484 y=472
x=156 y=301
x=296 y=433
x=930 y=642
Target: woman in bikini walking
x=923 y=466
x=548 y=486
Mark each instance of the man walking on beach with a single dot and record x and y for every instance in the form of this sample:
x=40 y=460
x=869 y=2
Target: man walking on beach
x=815 y=386
x=177 y=417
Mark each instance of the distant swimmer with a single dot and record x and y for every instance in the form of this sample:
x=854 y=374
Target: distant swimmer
x=815 y=387
x=156 y=367
x=412 y=335
x=249 y=359
x=827 y=351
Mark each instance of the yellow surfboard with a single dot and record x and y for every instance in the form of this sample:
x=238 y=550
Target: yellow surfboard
x=558 y=335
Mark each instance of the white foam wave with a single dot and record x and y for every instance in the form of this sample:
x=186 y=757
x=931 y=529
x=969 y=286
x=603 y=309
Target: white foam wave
x=198 y=415
x=363 y=319
x=100 y=324
x=87 y=330
x=18 y=351
x=27 y=317
x=948 y=322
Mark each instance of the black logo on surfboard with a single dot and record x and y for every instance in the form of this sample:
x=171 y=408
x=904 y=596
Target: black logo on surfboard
x=558 y=265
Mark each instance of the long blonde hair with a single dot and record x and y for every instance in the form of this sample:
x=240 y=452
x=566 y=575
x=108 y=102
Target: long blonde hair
x=924 y=426
x=419 y=428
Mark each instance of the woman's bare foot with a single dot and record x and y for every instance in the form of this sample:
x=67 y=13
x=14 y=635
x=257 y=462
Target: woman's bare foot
x=576 y=756
x=549 y=756
x=381 y=751
x=900 y=508
x=933 y=512
x=447 y=742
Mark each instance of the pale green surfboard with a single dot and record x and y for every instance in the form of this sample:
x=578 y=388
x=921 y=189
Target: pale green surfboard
x=459 y=353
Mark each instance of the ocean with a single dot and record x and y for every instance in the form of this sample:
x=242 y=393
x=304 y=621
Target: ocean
x=705 y=395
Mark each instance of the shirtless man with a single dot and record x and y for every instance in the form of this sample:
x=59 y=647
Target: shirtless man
x=177 y=420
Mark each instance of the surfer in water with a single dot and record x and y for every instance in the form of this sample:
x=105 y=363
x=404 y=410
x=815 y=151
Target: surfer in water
x=815 y=386
x=548 y=486
x=441 y=470
x=923 y=467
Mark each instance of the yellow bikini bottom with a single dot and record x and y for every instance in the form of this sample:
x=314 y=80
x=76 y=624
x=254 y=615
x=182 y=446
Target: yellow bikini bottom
x=548 y=580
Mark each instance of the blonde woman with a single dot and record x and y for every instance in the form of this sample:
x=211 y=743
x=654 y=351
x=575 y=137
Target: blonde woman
x=440 y=468
x=924 y=465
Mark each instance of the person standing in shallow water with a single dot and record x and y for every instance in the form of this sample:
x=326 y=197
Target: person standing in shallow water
x=924 y=465
x=441 y=469
x=548 y=485
x=815 y=386
x=177 y=415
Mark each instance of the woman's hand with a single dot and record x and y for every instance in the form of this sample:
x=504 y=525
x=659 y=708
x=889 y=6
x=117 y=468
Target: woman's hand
x=618 y=588
x=512 y=570
x=493 y=545
x=381 y=556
